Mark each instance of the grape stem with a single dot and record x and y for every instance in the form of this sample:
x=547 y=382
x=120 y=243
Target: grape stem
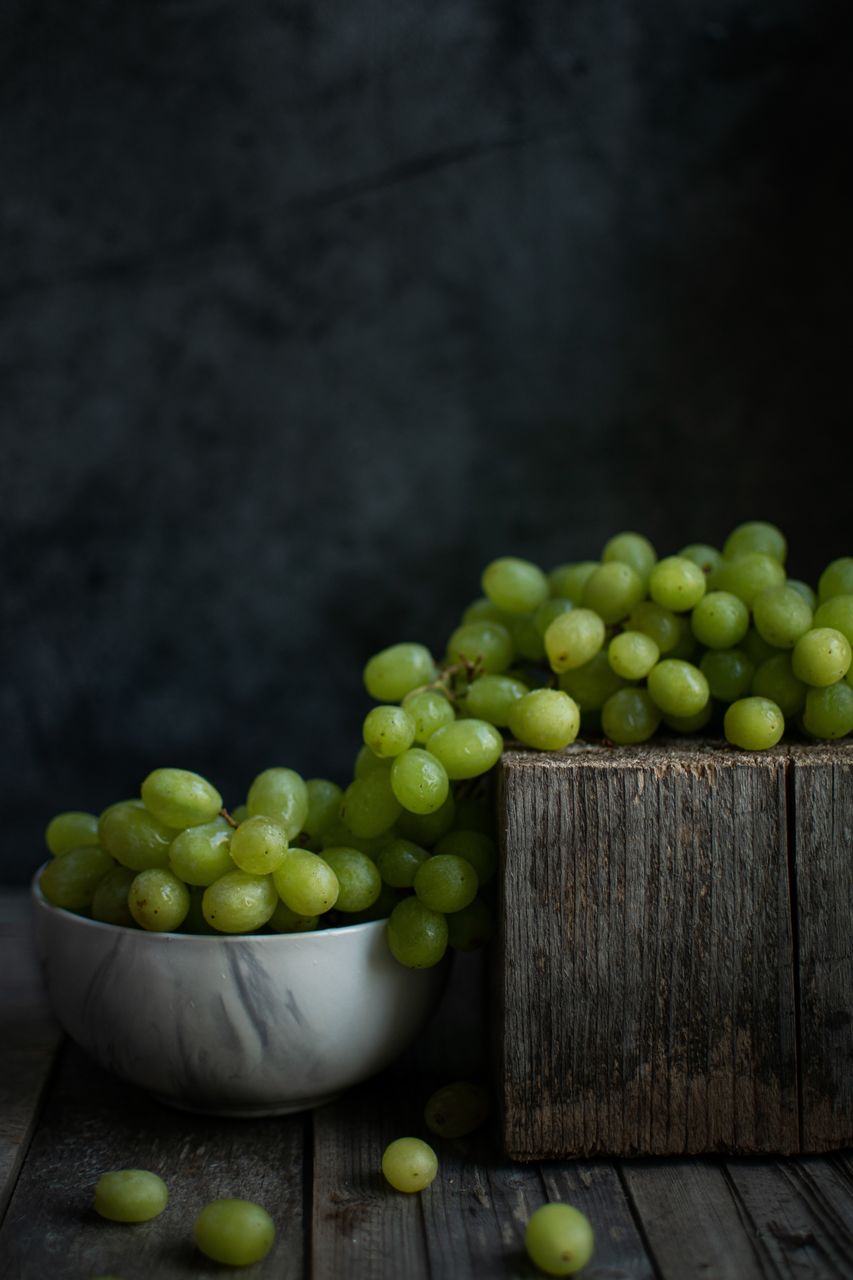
x=223 y=813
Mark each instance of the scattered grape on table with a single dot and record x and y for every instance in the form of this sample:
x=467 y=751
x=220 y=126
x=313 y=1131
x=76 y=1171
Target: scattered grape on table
x=709 y=640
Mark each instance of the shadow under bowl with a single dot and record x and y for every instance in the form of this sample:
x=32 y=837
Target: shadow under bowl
x=263 y=1024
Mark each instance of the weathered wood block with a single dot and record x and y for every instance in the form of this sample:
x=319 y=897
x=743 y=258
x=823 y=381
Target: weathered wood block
x=675 y=967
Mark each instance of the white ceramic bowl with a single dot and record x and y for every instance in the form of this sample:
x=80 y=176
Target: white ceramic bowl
x=240 y=1026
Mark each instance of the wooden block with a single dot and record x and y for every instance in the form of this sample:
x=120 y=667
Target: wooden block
x=647 y=962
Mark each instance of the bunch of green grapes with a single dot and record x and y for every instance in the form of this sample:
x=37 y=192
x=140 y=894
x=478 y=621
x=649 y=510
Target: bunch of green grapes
x=619 y=648
x=297 y=856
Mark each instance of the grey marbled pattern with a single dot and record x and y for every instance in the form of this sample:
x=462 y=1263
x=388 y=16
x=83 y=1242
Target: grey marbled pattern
x=232 y=1025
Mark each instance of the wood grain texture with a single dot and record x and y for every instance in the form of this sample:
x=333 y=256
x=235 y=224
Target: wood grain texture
x=92 y=1123
x=645 y=1000
x=359 y=1227
x=822 y=798
x=29 y=1038
x=693 y=1222
x=801 y=1214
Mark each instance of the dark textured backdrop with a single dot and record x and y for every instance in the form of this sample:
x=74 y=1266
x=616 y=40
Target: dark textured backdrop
x=308 y=309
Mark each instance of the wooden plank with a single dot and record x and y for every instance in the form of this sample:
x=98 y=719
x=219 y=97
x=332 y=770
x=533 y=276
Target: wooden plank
x=693 y=1224
x=475 y=1218
x=802 y=1214
x=595 y=1188
x=645 y=988
x=359 y=1225
x=29 y=1038
x=92 y=1123
x=823 y=822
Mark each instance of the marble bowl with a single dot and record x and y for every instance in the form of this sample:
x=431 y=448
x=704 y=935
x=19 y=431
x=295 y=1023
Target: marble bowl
x=233 y=1026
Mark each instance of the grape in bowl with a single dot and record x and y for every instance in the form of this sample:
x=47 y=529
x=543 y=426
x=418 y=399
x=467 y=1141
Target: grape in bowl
x=233 y=1025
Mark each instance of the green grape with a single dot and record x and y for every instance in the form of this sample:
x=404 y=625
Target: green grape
x=259 y=845
x=756 y=535
x=158 y=900
x=470 y=928
x=514 y=585
x=754 y=724
x=430 y=710
x=486 y=646
x=240 y=814
x=720 y=620
x=417 y=935
x=234 y=1232
x=134 y=837
x=484 y=610
x=178 y=798
x=632 y=654
x=281 y=794
x=592 y=684
x=457 y=1109
x=358 y=878
x=548 y=611
x=547 y=719
x=527 y=642
x=491 y=697
x=419 y=779
x=662 y=625
x=130 y=1195
x=836 y=579
x=283 y=920
x=71 y=880
x=686 y=646
x=748 y=575
x=399 y=861
x=708 y=559
x=781 y=616
x=569 y=580
x=803 y=589
x=629 y=716
x=306 y=883
x=573 y=639
x=240 y=902
x=821 y=656
x=409 y=1164
x=632 y=549
x=677 y=584
x=690 y=724
x=466 y=748
x=678 y=688
x=475 y=847
x=775 y=679
x=388 y=730
x=200 y=855
x=837 y=612
x=109 y=903
x=426 y=828
x=379 y=909
x=370 y=806
x=829 y=711
x=559 y=1239
x=729 y=674
x=612 y=591
x=756 y=647
x=324 y=805
x=446 y=883
x=366 y=762
x=71 y=830
x=397 y=670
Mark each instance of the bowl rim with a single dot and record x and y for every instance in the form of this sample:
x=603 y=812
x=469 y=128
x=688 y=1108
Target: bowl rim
x=347 y=930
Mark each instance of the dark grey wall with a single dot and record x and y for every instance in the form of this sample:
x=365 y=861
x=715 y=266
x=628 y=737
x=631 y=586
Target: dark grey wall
x=309 y=309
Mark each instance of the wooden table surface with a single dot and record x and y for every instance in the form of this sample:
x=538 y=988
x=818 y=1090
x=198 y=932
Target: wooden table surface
x=63 y=1122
